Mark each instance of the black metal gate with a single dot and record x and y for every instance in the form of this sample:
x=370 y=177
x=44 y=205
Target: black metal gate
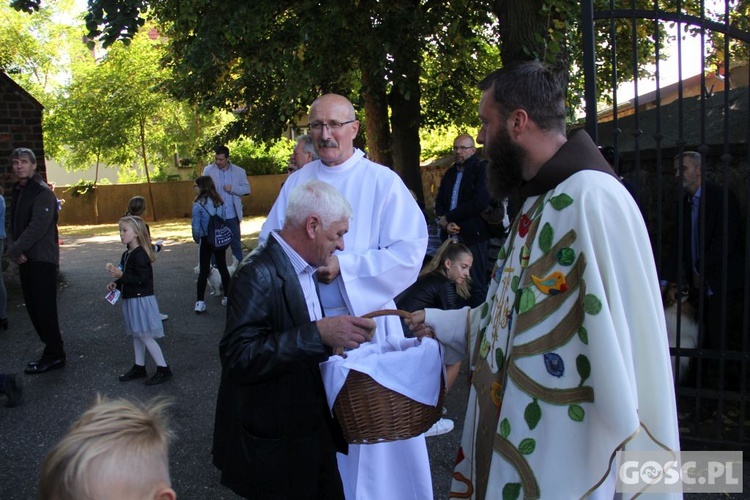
x=655 y=140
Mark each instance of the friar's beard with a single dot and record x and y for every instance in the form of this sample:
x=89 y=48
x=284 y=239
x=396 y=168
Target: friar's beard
x=505 y=173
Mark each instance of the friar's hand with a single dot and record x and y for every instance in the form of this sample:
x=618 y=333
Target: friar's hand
x=346 y=331
x=330 y=271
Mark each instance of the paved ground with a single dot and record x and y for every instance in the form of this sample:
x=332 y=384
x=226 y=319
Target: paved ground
x=98 y=351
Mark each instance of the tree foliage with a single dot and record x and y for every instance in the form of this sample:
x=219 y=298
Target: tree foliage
x=36 y=49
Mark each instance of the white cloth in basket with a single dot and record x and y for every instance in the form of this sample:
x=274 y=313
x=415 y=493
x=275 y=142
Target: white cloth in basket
x=406 y=366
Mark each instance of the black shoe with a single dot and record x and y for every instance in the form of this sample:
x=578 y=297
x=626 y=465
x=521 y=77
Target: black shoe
x=137 y=371
x=13 y=389
x=4 y=323
x=44 y=365
x=163 y=373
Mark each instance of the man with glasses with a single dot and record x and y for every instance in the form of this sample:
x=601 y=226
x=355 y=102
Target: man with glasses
x=35 y=248
x=232 y=184
x=461 y=199
x=385 y=245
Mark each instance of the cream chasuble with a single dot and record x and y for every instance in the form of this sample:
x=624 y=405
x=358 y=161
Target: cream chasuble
x=569 y=352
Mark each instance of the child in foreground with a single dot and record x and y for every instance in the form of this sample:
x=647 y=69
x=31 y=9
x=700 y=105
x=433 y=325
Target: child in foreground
x=117 y=449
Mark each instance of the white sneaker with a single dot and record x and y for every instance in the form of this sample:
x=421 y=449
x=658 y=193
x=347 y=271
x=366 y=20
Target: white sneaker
x=164 y=317
x=223 y=301
x=442 y=426
x=200 y=307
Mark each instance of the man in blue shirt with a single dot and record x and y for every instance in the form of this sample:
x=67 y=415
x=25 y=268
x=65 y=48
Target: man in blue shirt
x=461 y=199
x=232 y=184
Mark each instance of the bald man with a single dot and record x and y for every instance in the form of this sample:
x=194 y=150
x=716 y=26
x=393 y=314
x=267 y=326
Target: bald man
x=384 y=248
x=461 y=199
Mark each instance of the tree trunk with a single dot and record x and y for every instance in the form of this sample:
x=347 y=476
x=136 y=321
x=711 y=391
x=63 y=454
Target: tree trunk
x=405 y=120
x=96 y=191
x=518 y=24
x=145 y=166
x=377 y=130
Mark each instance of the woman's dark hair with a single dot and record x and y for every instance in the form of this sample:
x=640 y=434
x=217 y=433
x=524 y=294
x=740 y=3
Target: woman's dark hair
x=207 y=189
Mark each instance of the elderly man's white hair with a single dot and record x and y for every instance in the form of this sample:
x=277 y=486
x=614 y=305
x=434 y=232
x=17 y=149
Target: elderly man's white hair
x=316 y=198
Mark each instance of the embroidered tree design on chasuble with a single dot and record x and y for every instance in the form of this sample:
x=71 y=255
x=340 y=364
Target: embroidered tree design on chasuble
x=525 y=298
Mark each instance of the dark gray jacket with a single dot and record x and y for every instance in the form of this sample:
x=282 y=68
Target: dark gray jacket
x=33 y=222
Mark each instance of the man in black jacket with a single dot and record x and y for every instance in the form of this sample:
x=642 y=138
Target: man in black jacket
x=274 y=435
x=703 y=250
x=459 y=204
x=35 y=248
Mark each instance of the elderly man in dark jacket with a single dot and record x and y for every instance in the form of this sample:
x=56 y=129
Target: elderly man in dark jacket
x=461 y=199
x=274 y=436
x=34 y=247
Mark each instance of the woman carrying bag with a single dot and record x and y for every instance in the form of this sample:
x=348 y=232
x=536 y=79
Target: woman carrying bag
x=208 y=203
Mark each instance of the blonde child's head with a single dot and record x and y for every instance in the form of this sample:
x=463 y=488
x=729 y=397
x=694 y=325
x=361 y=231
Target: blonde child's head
x=136 y=206
x=117 y=449
x=141 y=233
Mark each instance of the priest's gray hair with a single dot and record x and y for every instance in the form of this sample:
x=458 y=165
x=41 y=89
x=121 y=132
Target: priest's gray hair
x=316 y=198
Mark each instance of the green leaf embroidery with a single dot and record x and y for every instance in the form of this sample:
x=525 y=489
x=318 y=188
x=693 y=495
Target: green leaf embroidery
x=560 y=201
x=584 y=367
x=499 y=358
x=532 y=414
x=527 y=446
x=546 y=237
x=502 y=254
x=485 y=309
x=565 y=256
x=576 y=413
x=528 y=300
x=511 y=491
x=591 y=304
x=583 y=334
x=505 y=428
x=514 y=283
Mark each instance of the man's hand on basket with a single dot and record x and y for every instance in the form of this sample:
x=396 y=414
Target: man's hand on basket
x=346 y=331
x=417 y=325
x=328 y=273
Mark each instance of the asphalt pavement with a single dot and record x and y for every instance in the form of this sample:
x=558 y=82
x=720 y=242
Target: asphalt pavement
x=98 y=351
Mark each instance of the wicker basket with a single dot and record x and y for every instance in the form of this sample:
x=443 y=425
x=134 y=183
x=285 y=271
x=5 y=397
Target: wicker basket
x=371 y=413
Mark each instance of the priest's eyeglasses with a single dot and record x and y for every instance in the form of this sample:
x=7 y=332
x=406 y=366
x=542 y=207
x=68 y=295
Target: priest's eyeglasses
x=332 y=126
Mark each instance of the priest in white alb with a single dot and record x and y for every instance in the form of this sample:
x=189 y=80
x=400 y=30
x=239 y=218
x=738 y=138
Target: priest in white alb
x=384 y=248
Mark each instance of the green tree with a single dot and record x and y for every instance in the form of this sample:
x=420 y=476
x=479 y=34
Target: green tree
x=36 y=49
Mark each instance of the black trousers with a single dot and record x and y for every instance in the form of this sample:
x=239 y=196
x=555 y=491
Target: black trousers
x=480 y=251
x=39 y=287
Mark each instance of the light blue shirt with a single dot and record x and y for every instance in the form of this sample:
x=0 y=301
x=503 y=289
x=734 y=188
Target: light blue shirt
x=237 y=178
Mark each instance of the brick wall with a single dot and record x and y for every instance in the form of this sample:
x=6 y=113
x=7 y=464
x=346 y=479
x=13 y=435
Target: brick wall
x=20 y=126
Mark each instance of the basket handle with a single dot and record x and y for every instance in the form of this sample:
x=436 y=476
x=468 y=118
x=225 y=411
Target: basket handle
x=388 y=312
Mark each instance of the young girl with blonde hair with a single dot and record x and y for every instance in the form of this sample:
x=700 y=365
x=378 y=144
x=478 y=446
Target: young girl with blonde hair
x=134 y=277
